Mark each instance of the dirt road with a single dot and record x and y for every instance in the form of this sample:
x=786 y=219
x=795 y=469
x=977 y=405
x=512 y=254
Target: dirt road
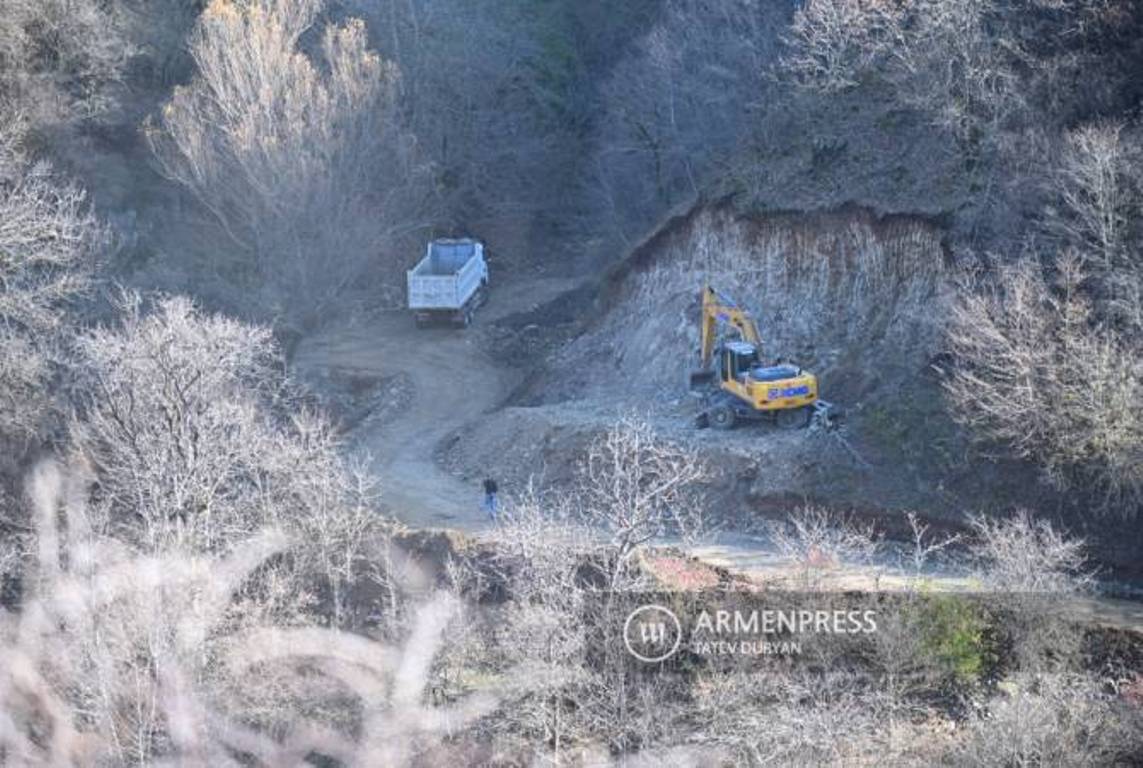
x=453 y=382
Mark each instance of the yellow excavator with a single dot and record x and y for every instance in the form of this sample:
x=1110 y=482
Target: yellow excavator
x=738 y=386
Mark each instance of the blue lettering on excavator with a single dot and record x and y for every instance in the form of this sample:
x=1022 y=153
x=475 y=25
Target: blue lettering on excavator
x=787 y=392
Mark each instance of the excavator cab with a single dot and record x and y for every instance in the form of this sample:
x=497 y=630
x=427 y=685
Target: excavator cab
x=736 y=360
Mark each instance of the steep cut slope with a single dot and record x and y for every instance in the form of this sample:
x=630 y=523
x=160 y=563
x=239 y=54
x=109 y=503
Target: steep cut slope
x=856 y=298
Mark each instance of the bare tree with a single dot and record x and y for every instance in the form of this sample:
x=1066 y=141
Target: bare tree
x=957 y=63
x=817 y=539
x=59 y=59
x=832 y=44
x=49 y=241
x=953 y=60
x=172 y=413
x=637 y=486
x=676 y=109
x=1036 y=373
x=1094 y=185
x=302 y=162
x=1097 y=184
x=198 y=440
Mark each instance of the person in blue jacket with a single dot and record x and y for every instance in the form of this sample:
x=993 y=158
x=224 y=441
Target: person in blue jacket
x=490 y=501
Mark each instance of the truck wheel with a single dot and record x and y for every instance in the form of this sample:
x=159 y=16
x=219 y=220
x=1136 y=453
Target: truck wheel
x=792 y=418
x=721 y=417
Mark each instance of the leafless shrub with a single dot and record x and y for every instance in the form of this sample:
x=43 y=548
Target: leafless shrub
x=117 y=658
x=303 y=163
x=1098 y=186
x=1035 y=373
x=197 y=440
x=572 y=685
x=94 y=640
x=925 y=548
x=48 y=243
x=1040 y=571
x=904 y=668
x=58 y=58
x=1022 y=554
x=404 y=725
x=833 y=43
x=788 y=718
x=637 y=485
x=817 y=539
x=540 y=549
x=1066 y=720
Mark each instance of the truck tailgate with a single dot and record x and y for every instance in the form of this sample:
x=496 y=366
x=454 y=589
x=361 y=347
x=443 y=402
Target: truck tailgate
x=445 y=291
x=433 y=292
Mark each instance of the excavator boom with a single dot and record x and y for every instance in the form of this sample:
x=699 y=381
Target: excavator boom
x=718 y=309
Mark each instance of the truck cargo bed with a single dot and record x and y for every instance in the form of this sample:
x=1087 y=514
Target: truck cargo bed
x=448 y=280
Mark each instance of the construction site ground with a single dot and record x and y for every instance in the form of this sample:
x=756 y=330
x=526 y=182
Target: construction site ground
x=435 y=411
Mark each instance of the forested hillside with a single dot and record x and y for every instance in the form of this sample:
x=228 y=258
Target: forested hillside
x=275 y=160
x=207 y=211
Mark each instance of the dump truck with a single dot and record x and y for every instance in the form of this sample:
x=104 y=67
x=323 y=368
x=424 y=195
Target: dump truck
x=449 y=283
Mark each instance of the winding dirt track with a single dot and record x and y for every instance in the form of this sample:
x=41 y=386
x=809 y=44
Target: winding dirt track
x=454 y=382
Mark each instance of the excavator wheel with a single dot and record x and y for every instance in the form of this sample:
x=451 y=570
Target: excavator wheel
x=721 y=417
x=792 y=418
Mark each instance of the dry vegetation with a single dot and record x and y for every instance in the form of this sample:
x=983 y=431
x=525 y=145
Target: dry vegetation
x=1048 y=353
x=193 y=567
x=136 y=643
x=286 y=152
x=1045 y=343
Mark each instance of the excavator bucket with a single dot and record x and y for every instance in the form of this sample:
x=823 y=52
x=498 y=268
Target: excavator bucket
x=826 y=415
x=701 y=379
